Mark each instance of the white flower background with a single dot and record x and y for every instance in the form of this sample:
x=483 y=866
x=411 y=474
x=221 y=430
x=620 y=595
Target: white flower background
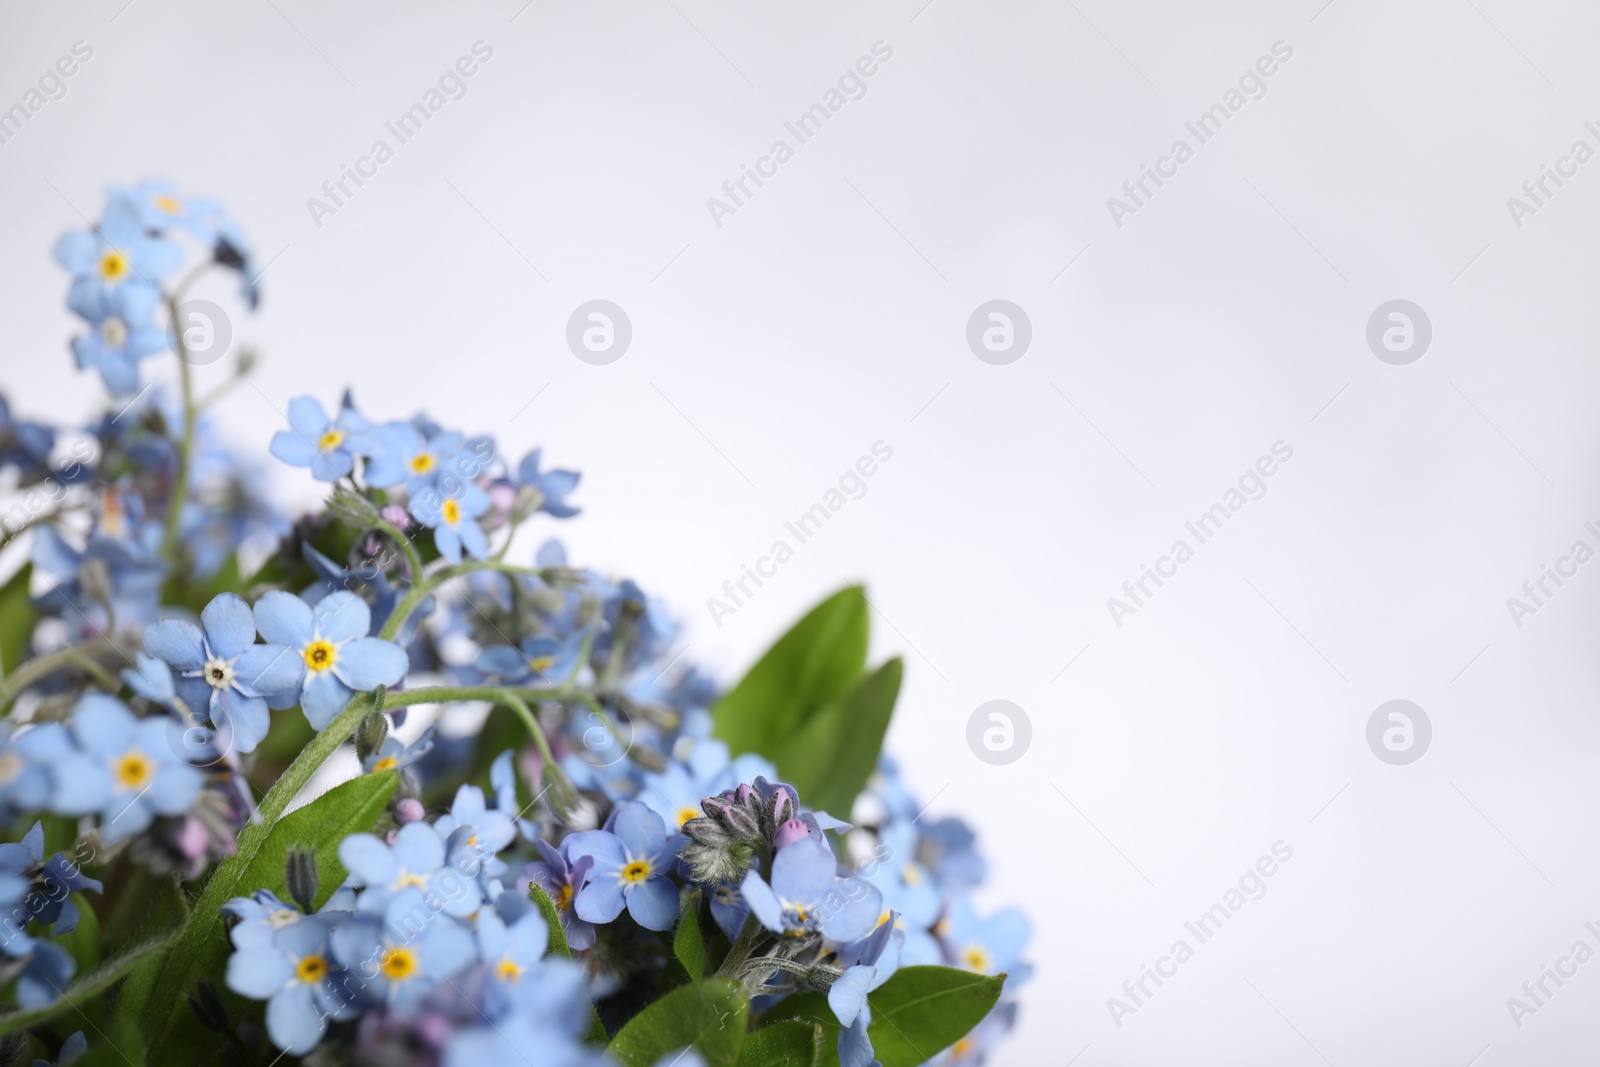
x=829 y=313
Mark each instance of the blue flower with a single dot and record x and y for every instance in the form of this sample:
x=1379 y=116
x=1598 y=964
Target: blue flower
x=24 y=445
x=123 y=331
x=401 y=971
x=331 y=639
x=631 y=867
x=395 y=755
x=539 y=659
x=354 y=579
x=987 y=946
x=125 y=769
x=45 y=976
x=261 y=915
x=221 y=669
x=36 y=890
x=552 y=486
x=71 y=1049
x=868 y=963
x=117 y=253
x=398 y=452
x=807 y=895
x=27 y=761
x=561 y=878
x=506 y=1044
x=315 y=441
x=520 y=980
x=453 y=519
x=161 y=208
x=408 y=875
x=293 y=972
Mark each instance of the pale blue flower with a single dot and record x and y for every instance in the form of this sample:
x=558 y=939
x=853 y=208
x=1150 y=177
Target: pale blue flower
x=331 y=640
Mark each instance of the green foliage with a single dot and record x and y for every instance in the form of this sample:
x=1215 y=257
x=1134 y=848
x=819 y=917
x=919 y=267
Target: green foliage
x=688 y=944
x=84 y=942
x=709 y=1016
x=16 y=619
x=792 y=1043
x=915 y=1015
x=201 y=950
x=595 y=1034
x=811 y=707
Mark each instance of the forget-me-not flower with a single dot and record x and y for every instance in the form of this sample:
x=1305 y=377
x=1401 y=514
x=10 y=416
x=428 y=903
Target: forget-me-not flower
x=331 y=639
x=807 y=895
x=631 y=865
x=293 y=972
x=124 y=769
x=315 y=441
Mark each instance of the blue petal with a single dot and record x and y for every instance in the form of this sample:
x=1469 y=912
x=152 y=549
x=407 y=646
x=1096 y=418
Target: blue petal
x=640 y=830
x=176 y=641
x=855 y=918
x=849 y=992
x=762 y=901
x=804 y=873
x=368 y=662
x=293 y=1021
x=103 y=725
x=229 y=624
x=601 y=901
x=603 y=848
x=284 y=619
x=323 y=698
x=258 y=973
x=369 y=860
x=292 y=448
x=174 y=788
x=341 y=616
x=243 y=720
x=654 y=904
x=417 y=848
x=269 y=669
x=502 y=660
x=307 y=417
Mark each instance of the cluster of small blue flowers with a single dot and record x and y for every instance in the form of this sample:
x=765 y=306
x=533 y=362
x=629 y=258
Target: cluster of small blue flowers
x=179 y=662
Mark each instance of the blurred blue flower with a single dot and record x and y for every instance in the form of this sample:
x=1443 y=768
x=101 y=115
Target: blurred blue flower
x=117 y=253
x=125 y=769
x=315 y=441
x=294 y=973
x=561 y=878
x=552 y=486
x=71 y=1049
x=538 y=660
x=400 y=968
x=453 y=519
x=407 y=875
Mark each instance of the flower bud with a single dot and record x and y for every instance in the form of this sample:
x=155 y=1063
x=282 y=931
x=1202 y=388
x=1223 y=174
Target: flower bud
x=408 y=811
x=206 y=1003
x=790 y=832
x=559 y=792
x=300 y=875
x=371 y=734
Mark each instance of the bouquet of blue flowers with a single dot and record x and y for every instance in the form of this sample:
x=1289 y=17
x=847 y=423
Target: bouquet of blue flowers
x=359 y=788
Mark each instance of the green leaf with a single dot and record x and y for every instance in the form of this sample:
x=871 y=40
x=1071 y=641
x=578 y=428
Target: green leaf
x=201 y=950
x=16 y=619
x=792 y=1043
x=121 y=1048
x=688 y=944
x=811 y=665
x=710 y=1016
x=89 y=985
x=552 y=919
x=915 y=1015
x=596 y=1032
x=829 y=759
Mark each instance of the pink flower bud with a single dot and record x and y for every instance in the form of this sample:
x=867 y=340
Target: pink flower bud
x=790 y=832
x=408 y=811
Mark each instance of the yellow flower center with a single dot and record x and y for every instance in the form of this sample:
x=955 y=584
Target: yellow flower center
x=421 y=463
x=564 y=897
x=910 y=875
x=963 y=1048
x=11 y=765
x=134 y=770
x=687 y=813
x=507 y=971
x=311 y=968
x=166 y=203
x=636 y=872
x=408 y=879
x=541 y=663
x=398 y=964
x=113 y=266
x=451 y=512
x=320 y=656
x=387 y=763
x=114 y=332
x=330 y=440
x=976 y=958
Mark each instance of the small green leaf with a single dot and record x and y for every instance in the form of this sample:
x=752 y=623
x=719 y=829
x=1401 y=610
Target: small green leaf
x=709 y=1016
x=792 y=1043
x=16 y=619
x=811 y=665
x=829 y=758
x=89 y=985
x=202 y=950
x=915 y=1015
x=596 y=1032
x=552 y=919
x=688 y=944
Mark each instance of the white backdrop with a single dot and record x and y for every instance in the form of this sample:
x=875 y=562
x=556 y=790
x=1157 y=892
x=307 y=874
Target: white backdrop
x=1226 y=313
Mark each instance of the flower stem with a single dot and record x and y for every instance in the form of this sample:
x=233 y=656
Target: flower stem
x=422 y=587
x=180 y=480
x=73 y=656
